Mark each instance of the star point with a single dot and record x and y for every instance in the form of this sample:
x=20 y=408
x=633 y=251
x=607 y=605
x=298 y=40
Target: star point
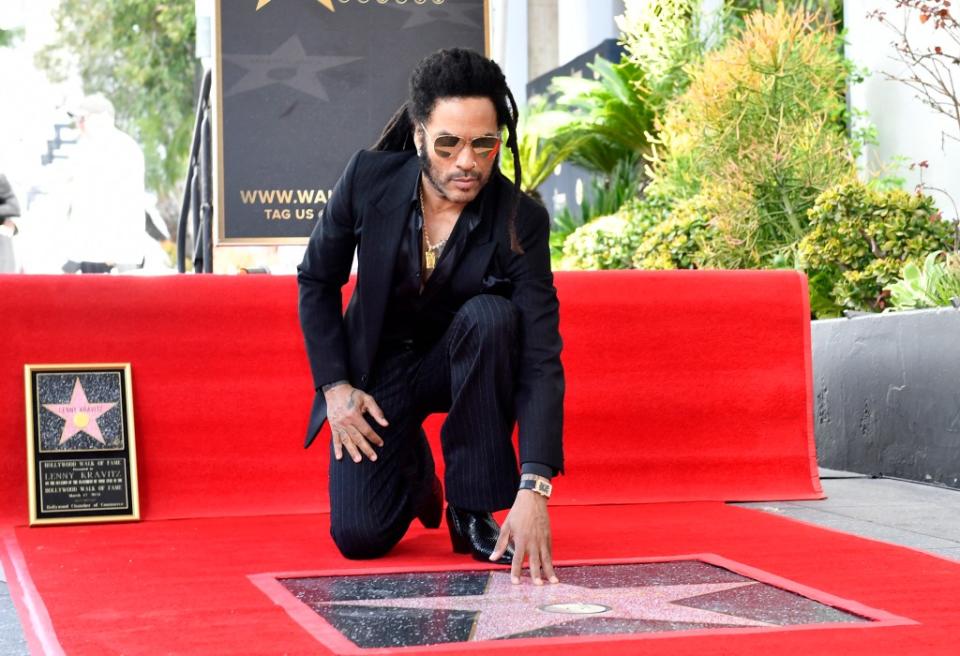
x=526 y=608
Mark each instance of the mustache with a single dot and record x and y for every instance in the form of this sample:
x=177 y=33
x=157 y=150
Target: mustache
x=466 y=174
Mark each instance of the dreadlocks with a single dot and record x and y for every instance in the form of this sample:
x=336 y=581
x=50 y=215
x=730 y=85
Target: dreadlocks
x=457 y=73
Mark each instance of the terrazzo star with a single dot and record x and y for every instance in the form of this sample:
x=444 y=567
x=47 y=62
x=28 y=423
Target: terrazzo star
x=454 y=311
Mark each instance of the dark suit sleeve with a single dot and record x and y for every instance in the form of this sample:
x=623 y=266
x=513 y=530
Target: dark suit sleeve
x=539 y=400
x=321 y=275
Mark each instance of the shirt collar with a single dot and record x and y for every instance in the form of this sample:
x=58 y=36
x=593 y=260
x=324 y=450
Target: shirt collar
x=471 y=212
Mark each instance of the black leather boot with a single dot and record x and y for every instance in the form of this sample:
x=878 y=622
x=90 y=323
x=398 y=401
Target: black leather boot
x=475 y=533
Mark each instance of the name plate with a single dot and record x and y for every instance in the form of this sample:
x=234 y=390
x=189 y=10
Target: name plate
x=81 y=449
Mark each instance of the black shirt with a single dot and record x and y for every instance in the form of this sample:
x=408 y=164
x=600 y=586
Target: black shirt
x=418 y=313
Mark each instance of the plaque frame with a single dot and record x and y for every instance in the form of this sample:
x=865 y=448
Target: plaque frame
x=124 y=455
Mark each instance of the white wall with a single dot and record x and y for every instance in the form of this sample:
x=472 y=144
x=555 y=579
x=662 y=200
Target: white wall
x=905 y=125
x=508 y=44
x=583 y=24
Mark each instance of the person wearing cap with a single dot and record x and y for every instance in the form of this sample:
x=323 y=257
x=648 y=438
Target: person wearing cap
x=105 y=223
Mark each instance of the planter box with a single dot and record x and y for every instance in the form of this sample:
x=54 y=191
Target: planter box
x=887 y=394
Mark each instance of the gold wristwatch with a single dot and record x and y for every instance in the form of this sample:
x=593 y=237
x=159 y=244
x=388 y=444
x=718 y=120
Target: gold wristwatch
x=538 y=484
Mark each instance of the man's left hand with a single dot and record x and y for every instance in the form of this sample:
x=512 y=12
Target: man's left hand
x=528 y=524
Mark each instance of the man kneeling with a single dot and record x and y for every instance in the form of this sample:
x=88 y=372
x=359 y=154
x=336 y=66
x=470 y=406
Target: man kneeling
x=454 y=311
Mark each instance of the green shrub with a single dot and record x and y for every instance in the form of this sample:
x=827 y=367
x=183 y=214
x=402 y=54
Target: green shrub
x=662 y=38
x=610 y=242
x=760 y=134
x=676 y=241
x=606 y=195
x=936 y=285
x=604 y=243
x=859 y=240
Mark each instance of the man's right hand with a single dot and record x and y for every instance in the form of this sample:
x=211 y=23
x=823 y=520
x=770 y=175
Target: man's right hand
x=345 y=408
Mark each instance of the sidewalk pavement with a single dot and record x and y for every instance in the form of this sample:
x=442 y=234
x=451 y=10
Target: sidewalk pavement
x=901 y=512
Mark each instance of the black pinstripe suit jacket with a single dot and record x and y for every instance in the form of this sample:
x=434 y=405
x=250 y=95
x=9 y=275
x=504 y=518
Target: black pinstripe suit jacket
x=367 y=211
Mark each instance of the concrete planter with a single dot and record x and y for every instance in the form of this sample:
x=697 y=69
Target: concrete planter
x=887 y=390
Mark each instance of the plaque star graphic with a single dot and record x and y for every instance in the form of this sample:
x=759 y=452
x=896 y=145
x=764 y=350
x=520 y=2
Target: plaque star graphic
x=506 y=610
x=449 y=12
x=264 y=70
x=326 y=3
x=79 y=415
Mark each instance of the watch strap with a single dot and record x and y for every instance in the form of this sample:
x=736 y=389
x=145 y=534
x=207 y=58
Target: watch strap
x=537 y=484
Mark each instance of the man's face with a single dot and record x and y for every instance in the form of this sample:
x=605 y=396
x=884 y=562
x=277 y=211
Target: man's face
x=459 y=176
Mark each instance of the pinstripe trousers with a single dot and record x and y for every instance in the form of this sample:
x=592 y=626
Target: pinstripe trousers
x=469 y=374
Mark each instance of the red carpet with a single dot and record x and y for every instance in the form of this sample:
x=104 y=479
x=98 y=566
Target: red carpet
x=682 y=386
x=182 y=586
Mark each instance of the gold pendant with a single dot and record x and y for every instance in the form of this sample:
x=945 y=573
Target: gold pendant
x=431 y=259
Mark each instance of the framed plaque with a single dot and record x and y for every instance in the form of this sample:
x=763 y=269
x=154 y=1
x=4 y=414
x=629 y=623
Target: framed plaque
x=81 y=451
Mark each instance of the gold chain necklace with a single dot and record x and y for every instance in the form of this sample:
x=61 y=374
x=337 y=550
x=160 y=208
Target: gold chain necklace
x=432 y=251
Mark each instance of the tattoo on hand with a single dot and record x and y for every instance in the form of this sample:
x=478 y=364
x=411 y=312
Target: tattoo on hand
x=351 y=404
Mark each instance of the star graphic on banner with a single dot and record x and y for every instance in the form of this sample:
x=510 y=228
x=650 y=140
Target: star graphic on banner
x=326 y=3
x=264 y=70
x=505 y=609
x=449 y=12
x=80 y=415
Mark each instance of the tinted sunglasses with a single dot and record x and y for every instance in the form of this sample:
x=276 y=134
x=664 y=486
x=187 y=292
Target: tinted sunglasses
x=448 y=145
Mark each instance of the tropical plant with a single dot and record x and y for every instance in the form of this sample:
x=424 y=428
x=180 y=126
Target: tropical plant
x=936 y=284
x=860 y=239
x=606 y=195
x=609 y=122
x=539 y=153
x=140 y=55
x=759 y=132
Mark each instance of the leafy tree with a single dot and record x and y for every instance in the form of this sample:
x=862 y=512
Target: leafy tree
x=139 y=54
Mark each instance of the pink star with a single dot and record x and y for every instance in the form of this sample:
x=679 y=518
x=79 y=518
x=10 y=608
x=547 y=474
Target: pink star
x=507 y=609
x=80 y=415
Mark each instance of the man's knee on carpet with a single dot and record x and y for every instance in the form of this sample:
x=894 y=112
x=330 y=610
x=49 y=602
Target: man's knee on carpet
x=362 y=542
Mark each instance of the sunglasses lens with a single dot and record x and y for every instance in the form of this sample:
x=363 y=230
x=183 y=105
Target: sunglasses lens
x=447 y=145
x=486 y=146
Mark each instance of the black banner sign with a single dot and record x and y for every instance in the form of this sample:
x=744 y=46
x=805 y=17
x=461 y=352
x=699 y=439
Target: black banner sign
x=80 y=442
x=301 y=86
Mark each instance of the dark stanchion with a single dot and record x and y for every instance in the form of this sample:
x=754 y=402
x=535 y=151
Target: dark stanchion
x=197 y=204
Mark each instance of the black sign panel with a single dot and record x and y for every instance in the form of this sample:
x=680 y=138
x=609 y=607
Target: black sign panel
x=80 y=441
x=301 y=86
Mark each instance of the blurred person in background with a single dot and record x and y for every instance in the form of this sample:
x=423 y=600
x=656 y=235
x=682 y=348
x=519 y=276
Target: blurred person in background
x=9 y=210
x=105 y=222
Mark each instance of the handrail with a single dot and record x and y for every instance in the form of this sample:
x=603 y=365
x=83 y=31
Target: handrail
x=197 y=204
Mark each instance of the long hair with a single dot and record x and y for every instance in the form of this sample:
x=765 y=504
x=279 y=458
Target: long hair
x=457 y=73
